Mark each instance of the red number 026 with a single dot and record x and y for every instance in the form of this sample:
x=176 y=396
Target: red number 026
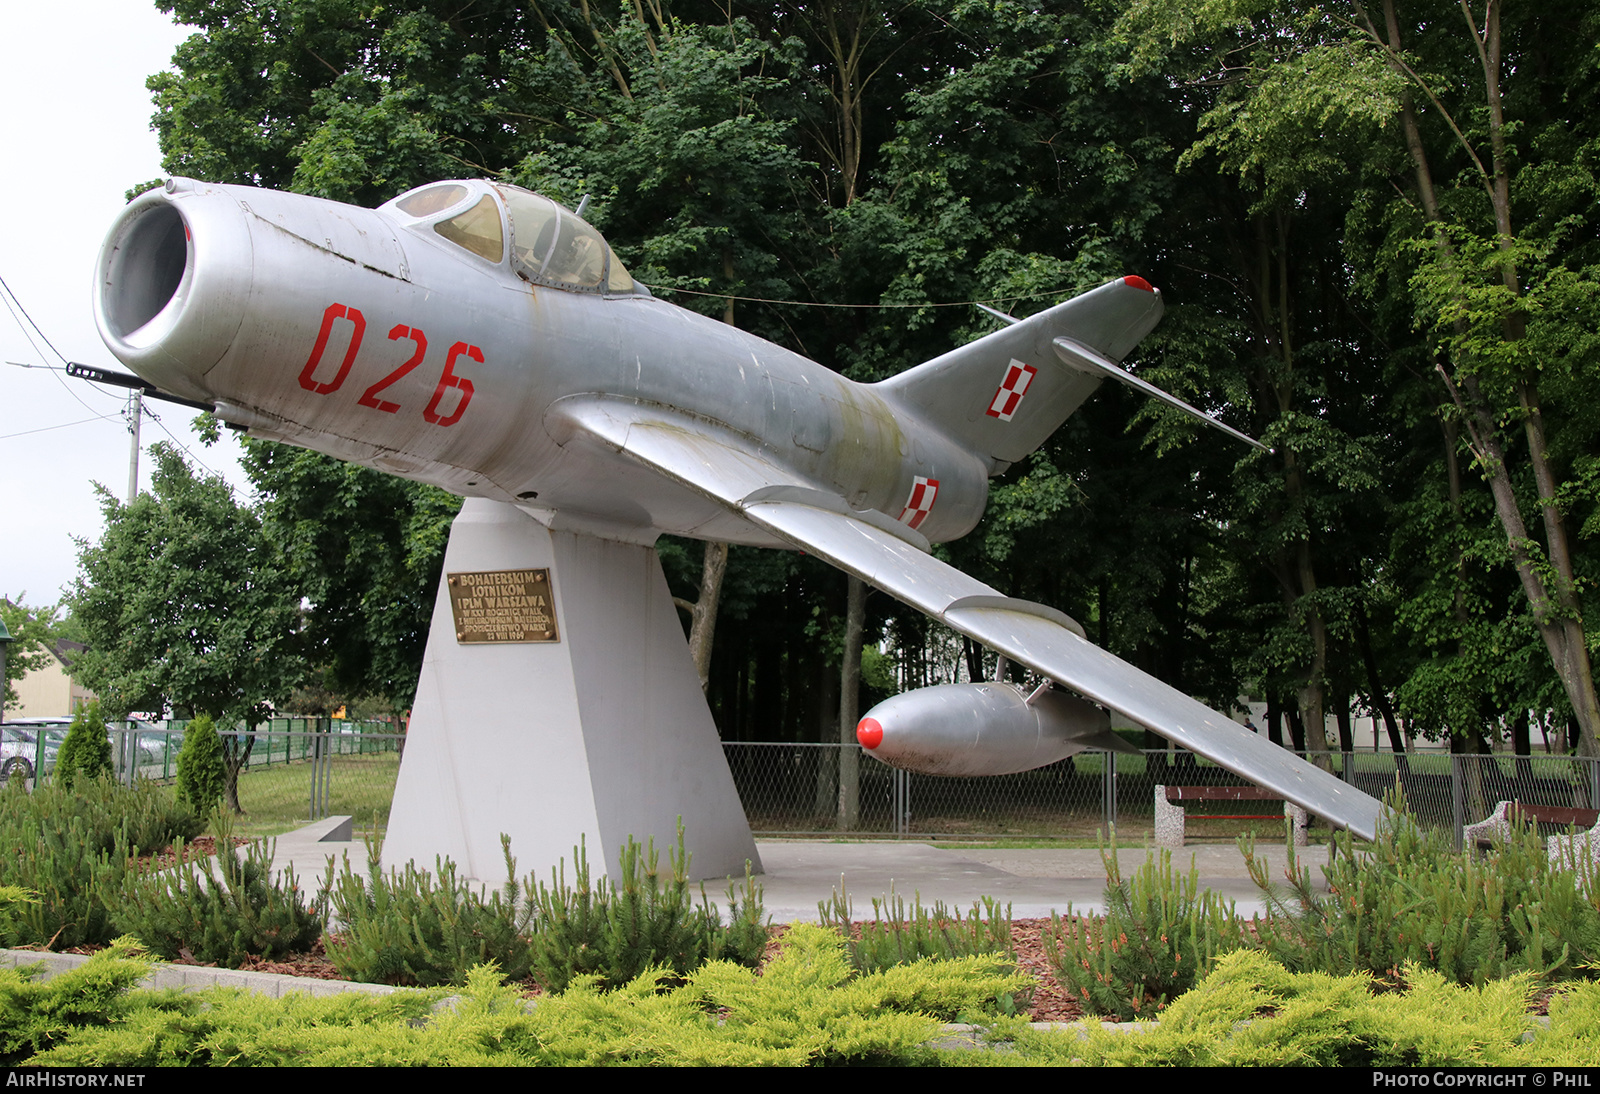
x=450 y=380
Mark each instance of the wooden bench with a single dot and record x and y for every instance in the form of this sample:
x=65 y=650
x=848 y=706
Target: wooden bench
x=1566 y=848
x=1170 y=813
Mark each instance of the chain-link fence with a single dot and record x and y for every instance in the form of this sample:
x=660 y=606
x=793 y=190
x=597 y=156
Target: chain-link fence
x=301 y=769
x=794 y=789
x=294 y=770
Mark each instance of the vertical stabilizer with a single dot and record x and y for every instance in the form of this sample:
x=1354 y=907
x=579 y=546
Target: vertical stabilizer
x=1002 y=395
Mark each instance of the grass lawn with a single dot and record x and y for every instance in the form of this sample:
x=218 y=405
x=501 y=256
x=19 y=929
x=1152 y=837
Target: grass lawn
x=278 y=799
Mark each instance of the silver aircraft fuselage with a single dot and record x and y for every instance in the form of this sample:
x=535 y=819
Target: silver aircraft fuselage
x=366 y=334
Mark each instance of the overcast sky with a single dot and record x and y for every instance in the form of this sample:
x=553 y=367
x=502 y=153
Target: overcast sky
x=76 y=129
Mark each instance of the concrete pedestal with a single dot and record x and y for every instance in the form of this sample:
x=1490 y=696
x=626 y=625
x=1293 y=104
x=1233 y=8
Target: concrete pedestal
x=603 y=734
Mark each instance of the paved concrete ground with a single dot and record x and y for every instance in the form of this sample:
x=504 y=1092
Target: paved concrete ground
x=800 y=873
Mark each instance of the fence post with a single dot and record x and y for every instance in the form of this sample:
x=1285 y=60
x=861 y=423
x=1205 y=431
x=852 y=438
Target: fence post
x=1108 y=792
x=319 y=759
x=902 y=802
x=1458 y=805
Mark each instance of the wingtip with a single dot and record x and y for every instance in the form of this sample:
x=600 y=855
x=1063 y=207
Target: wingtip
x=1134 y=281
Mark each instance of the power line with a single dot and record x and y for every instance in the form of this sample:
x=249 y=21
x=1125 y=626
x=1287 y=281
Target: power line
x=31 y=323
x=14 y=305
x=63 y=425
x=820 y=304
x=156 y=418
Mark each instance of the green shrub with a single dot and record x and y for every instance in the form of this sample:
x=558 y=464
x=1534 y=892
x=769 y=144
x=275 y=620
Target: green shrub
x=1411 y=898
x=894 y=937
x=145 y=815
x=415 y=928
x=1161 y=932
x=805 y=1008
x=71 y=848
x=616 y=932
x=1252 y=1012
x=202 y=776
x=86 y=752
x=221 y=910
x=36 y=1015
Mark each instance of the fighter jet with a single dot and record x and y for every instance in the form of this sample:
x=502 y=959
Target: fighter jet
x=486 y=339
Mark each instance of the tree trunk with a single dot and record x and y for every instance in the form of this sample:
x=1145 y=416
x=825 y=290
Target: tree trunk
x=1297 y=729
x=827 y=791
x=235 y=755
x=1379 y=696
x=855 y=625
x=1274 y=721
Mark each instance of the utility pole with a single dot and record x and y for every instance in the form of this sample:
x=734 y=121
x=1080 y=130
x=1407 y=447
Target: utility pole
x=135 y=412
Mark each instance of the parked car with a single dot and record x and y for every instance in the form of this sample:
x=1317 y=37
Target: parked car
x=20 y=745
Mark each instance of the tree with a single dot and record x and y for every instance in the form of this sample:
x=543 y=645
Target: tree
x=86 y=752
x=31 y=631
x=1467 y=138
x=186 y=605
x=364 y=551
x=202 y=773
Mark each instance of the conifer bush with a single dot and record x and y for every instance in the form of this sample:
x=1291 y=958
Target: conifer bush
x=649 y=920
x=410 y=927
x=894 y=936
x=86 y=752
x=71 y=850
x=202 y=776
x=1161 y=932
x=1411 y=898
x=224 y=909
x=805 y=1008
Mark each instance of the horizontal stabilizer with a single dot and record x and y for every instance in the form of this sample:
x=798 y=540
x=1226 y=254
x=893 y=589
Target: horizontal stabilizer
x=1086 y=360
x=1110 y=742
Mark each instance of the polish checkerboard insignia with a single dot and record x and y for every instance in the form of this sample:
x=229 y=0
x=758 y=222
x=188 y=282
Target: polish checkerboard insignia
x=920 y=503
x=1012 y=389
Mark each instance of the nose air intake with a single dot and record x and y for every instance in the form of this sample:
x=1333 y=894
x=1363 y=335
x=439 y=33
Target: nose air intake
x=145 y=263
x=172 y=284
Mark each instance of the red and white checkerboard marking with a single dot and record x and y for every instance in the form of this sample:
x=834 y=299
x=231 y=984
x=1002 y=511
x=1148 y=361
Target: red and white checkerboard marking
x=920 y=503
x=1012 y=389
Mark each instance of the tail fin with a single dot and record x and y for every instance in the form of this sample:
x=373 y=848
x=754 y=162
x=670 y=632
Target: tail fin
x=1002 y=395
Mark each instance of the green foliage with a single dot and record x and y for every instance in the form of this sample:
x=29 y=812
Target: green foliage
x=31 y=631
x=612 y=933
x=805 y=1008
x=1410 y=899
x=36 y=1015
x=86 y=752
x=70 y=849
x=365 y=550
x=224 y=912
x=184 y=603
x=1160 y=934
x=202 y=777
x=894 y=937
x=1252 y=1012
x=415 y=928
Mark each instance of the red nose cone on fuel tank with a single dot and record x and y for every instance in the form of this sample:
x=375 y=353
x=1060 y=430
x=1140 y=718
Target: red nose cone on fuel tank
x=869 y=733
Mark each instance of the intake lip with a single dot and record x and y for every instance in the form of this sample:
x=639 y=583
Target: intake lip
x=171 y=283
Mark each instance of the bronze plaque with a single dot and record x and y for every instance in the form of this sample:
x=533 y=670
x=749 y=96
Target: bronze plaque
x=503 y=606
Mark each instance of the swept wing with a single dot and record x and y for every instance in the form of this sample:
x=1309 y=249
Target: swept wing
x=894 y=558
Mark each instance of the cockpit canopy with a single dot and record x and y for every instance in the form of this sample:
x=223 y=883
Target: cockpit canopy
x=548 y=243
